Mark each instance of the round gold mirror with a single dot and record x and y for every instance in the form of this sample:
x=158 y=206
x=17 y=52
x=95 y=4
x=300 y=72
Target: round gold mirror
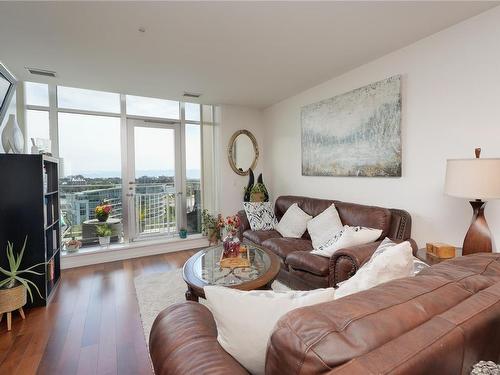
x=243 y=152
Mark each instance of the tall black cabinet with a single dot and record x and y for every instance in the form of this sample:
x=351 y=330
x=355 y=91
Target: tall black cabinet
x=29 y=206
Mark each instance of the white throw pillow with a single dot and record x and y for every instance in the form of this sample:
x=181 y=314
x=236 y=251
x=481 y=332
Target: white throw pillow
x=246 y=320
x=260 y=215
x=324 y=226
x=394 y=263
x=293 y=223
x=347 y=237
x=418 y=265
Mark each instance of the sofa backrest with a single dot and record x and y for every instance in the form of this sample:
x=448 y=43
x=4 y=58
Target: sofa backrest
x=394 y=223
x=441 y=321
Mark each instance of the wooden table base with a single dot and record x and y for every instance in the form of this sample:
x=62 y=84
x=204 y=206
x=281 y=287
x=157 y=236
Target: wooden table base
x=9 y=317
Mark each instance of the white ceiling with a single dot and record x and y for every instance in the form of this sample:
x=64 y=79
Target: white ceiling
x=246 y=53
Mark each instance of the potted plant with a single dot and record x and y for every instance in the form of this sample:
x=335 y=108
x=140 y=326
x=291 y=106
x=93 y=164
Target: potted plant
x=211 y=227
x=102 y=212
x=258 y=193
x=104 y=232
x=183 y=232
x=14 y=287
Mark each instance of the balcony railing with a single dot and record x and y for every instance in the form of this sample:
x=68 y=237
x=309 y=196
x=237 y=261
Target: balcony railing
x=155 y=208
x=155 y=213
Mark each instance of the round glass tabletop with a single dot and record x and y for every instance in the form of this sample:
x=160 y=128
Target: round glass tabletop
x=207 y=267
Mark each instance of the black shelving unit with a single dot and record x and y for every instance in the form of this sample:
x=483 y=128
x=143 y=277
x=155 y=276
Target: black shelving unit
x=29 y=205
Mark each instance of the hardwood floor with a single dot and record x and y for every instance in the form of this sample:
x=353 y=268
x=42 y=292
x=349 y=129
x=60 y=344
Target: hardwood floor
x=92 y=325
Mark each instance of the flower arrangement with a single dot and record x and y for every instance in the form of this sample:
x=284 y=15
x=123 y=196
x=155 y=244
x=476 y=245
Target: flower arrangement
x=102 y=211
x=211 y=226
x=231 y=224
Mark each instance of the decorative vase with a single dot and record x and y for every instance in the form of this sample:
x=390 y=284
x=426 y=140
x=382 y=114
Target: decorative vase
x=102 y=217
x=231 y=245
x=213 y=238
x=12 y=137
x=183 y=233
x=104 y=241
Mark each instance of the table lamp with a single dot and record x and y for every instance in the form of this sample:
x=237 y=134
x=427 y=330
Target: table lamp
x=478 y=180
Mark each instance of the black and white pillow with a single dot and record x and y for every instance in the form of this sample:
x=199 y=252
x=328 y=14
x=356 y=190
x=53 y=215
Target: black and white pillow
x=418 y=265
x=260 y=215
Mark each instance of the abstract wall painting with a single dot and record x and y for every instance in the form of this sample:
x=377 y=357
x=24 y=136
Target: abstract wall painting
x=357 y=133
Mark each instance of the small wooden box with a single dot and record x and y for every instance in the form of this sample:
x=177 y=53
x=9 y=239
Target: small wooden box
x=441 y=250
x=241 y=261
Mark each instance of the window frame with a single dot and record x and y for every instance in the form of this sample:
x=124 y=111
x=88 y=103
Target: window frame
x=53 y=109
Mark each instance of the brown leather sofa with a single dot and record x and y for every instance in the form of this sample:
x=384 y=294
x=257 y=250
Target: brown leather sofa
x=441 y=322
x=302 y=270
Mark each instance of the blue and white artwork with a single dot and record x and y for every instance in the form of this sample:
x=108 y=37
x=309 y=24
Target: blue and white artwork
x=354 y=134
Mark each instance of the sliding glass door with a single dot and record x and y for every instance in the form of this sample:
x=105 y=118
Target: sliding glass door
x=154 y=183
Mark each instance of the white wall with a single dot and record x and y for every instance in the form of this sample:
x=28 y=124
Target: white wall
x=451 y=104
x=232 y=185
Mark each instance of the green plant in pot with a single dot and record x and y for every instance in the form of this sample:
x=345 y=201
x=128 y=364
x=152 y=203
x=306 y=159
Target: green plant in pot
x=104 y=232
x=258 y=193
x=14 y=287
x=211 y=227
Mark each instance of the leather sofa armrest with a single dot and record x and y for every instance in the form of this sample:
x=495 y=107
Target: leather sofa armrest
x=344 y=263
x=244 y=224
x=183 y=341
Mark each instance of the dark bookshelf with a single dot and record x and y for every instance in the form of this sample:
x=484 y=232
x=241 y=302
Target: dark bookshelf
x=29 y=205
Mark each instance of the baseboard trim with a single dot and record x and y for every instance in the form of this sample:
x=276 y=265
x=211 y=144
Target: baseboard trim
x=134 y=250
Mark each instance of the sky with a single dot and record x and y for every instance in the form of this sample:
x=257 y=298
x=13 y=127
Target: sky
x=90 y=145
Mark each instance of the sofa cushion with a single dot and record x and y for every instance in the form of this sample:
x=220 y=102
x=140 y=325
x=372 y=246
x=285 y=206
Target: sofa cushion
x=364 y=216
x=305 y=261
x=259 y=236
x=284 y=246
x=293 y=224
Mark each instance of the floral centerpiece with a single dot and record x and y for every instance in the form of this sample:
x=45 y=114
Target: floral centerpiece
x=231 y=242
x=102 y=211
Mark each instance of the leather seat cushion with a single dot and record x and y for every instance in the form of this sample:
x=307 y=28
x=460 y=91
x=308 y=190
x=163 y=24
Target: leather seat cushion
x=305 y=261
x=259 y=236
x=284 y=246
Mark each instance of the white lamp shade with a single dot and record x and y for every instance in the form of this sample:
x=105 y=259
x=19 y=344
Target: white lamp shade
x=473 y=178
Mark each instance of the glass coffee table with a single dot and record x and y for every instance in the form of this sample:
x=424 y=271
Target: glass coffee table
x=203 y=269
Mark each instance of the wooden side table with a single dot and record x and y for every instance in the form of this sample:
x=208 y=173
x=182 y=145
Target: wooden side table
x=430 y=260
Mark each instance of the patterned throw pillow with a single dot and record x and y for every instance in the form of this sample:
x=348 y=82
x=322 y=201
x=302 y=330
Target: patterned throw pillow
x=260 y=215
x=387 y=243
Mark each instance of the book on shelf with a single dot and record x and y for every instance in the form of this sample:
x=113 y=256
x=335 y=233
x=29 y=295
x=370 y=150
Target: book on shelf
x=54 y=239
x=45 y=181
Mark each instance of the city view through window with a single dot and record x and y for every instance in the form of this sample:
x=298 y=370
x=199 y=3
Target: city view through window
x=90 y=152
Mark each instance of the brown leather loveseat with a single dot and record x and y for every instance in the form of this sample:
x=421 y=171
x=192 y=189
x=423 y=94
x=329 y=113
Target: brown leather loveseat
x=439 y=322
x=302 y=270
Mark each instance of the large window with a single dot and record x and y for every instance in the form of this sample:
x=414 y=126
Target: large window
x=89 y=151
x=163 y=187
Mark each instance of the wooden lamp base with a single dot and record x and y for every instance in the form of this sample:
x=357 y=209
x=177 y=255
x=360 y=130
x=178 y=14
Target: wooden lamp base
x=478 y=237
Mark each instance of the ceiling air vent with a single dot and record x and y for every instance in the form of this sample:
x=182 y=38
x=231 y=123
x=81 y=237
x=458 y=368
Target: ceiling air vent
x=41 y=72
x=191 y=95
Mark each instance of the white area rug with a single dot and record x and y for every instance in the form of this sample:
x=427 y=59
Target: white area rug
x=157 y=291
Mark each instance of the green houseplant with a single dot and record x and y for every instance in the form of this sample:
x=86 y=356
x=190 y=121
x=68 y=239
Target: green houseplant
x=211 y=226
x=104 y=233
x=13 y=274
x=258 y=193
